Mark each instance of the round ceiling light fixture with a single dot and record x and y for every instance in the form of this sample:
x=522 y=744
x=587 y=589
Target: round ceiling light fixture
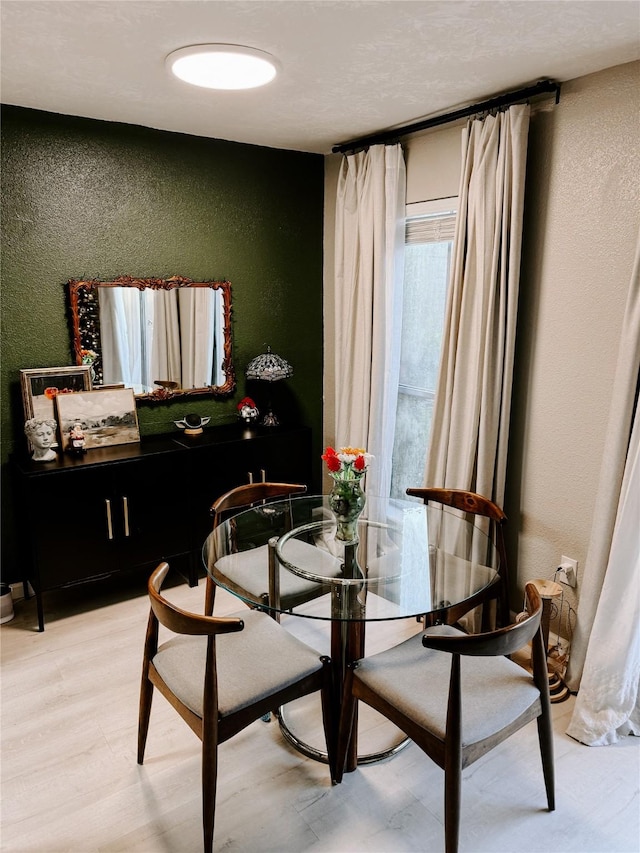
x=223 y=66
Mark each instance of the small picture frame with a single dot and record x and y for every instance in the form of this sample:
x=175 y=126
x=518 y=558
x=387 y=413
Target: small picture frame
x=41 y=386
x=106 y=417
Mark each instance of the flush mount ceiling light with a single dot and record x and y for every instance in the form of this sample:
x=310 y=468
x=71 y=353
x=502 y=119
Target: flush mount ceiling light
x=223 y=66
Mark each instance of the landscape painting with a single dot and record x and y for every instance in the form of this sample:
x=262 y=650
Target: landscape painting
x=106 y=417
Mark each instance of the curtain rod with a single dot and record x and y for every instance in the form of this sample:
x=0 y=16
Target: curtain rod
x=540 y=88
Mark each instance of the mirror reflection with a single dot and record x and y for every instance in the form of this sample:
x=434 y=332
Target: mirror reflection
x=161 y=337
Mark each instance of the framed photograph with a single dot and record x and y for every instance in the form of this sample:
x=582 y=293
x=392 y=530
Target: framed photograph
x=106 y=417
x=41 y=386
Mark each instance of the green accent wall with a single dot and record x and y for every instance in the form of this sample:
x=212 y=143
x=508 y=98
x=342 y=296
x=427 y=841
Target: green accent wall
x=90 y=199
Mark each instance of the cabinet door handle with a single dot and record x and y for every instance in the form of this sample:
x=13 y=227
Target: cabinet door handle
x=125 y=512
x=107 y=504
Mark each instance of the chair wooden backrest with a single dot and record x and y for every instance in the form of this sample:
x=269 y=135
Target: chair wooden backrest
x=249 y=495
x=501 y=642
x=244 y=497
x=474 y=504
x=163 y=612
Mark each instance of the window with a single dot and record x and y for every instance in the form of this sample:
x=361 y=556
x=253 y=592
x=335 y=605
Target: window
x=427 y=268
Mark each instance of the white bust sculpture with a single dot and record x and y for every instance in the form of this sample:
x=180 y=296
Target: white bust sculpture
x=41 y=434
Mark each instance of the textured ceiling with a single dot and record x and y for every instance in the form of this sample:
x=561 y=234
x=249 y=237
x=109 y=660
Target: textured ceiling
x=348 y=68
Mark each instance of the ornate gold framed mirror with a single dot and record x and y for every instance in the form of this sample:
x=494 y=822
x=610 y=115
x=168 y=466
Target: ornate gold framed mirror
x=164 y=338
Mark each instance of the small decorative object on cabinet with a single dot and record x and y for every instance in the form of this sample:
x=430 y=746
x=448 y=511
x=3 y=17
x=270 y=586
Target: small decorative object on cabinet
x=347 y=467
x=248 y=411
x=142 y=502
x=192 y=424
x=42 y=436
x=76 y=440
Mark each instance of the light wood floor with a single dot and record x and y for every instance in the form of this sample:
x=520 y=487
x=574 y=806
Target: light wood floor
x=70 y=781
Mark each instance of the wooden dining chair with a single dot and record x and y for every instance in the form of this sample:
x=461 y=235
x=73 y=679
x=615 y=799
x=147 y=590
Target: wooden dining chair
x=457 y=696
x=221 y=674
x=250 y=572
x=477 y=505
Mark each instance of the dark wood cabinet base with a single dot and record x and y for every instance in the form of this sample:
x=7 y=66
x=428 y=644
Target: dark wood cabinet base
x=127 y=507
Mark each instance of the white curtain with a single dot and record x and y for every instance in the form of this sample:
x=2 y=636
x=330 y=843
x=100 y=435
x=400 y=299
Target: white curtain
x=121 y=336
x=163 y=336
x=139 y=336
x=370 y=213
x=608 y=702
x=605 y=651
x=197 y=327
x=217 y=374
x=470 y=428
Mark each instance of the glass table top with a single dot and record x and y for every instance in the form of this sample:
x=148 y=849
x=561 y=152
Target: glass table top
x=408 y=560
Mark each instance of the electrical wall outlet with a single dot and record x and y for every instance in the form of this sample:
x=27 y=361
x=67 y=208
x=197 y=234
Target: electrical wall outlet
x=567 y=571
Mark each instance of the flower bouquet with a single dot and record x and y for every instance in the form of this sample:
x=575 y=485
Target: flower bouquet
x=347 y=466
x=88 y=356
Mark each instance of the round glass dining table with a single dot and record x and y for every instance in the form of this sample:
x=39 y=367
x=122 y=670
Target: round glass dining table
x=409 y=561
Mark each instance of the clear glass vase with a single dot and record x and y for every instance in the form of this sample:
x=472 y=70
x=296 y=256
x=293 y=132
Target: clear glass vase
x=347 y=501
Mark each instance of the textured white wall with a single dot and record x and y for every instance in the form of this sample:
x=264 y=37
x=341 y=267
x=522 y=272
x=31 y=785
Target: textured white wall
x=582 y=212
x=433 y=164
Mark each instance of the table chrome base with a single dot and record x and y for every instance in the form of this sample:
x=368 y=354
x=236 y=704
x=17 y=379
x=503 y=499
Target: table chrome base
x=320 y=755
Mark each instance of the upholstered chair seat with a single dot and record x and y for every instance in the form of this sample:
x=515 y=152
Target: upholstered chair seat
x=251 y=665
x=416 y=681
x=249 y=573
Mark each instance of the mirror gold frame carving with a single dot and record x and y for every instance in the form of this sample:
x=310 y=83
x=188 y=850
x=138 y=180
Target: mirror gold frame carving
x=82 y=338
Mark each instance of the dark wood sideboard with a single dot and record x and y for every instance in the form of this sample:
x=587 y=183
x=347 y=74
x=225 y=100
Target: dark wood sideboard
x=130 y=506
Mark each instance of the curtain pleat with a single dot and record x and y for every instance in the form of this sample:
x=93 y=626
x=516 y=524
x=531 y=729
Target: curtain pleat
x=120 y=336
x=197 y=331
x=370 y=213
x=470 y=429
x=164 y=343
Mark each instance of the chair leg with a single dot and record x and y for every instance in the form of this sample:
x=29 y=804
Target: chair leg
x=453 y=761
x=209 y=781
x=209 y=597
x=146 y=695
x=452 y=796
x=545 y=737
x=545 y=725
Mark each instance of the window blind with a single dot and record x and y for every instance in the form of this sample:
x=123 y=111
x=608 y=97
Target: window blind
x=437 y=228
